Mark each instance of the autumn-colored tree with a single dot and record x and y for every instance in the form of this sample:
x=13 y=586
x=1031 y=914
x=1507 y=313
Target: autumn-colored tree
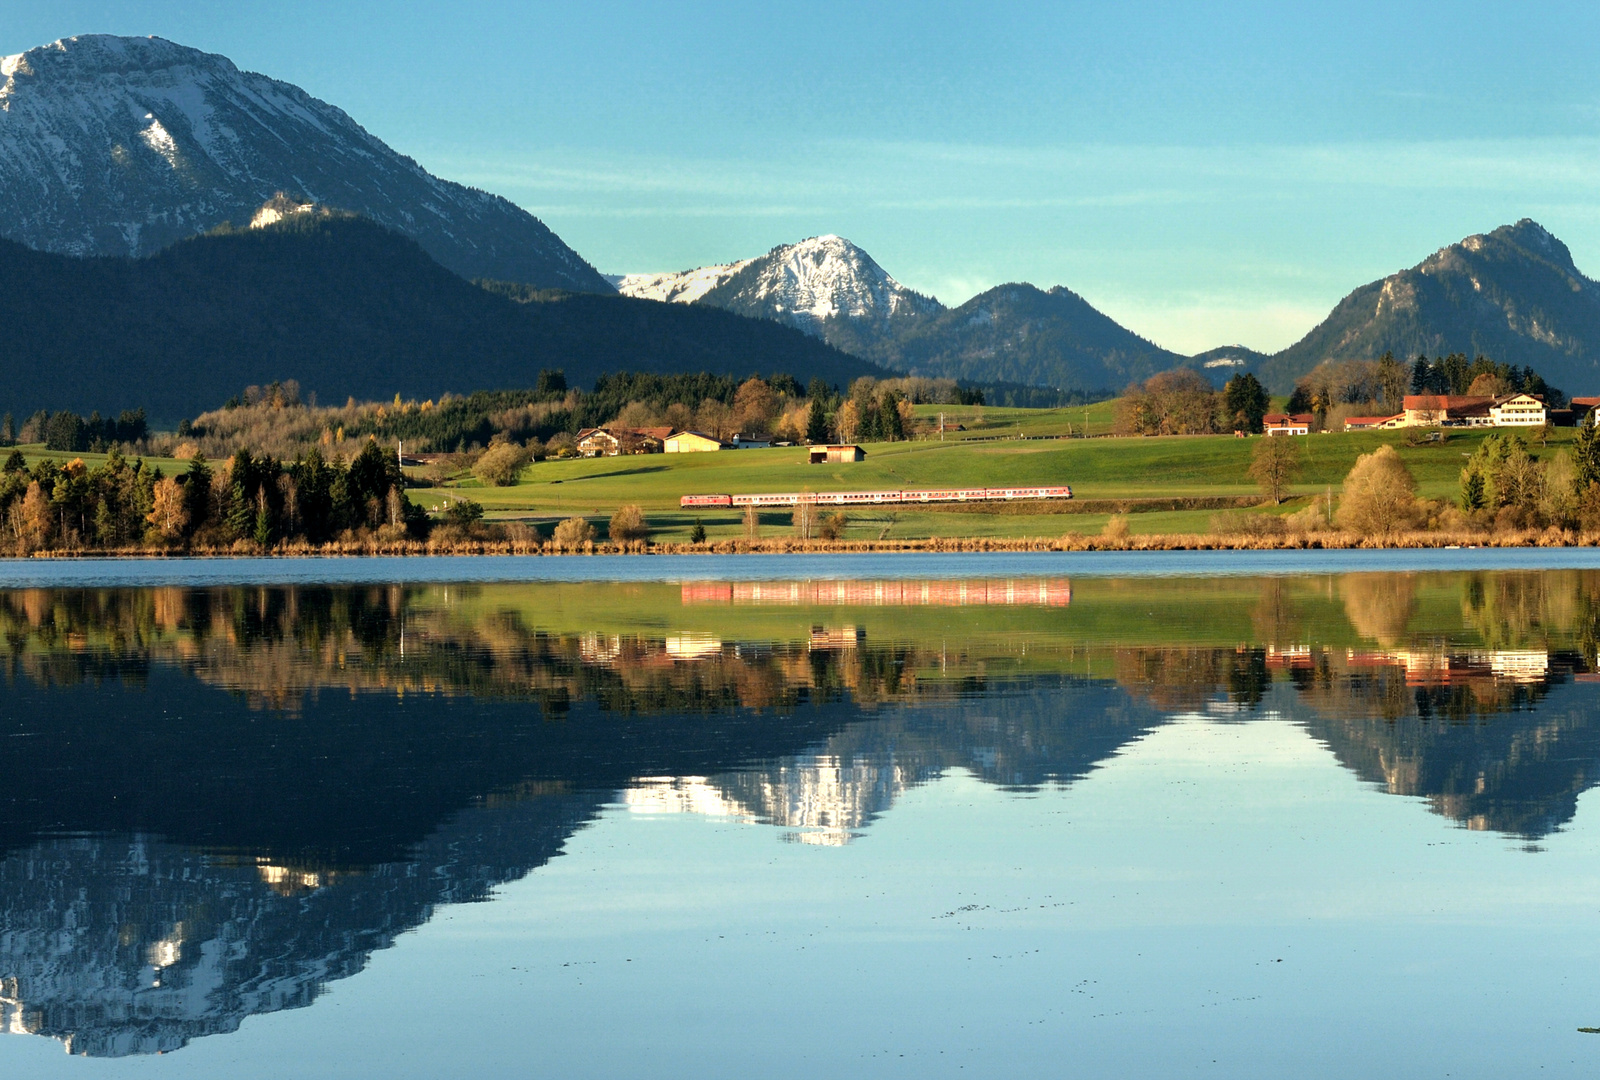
x=1179 y=402
x=847 y=422
x=1379 y=494
x=714 y=418
x=754 y=405
x=37 y=522
x=628 y=525
x=1489 y=384
x=573 y=533
x=171 y=511
x=500 y=464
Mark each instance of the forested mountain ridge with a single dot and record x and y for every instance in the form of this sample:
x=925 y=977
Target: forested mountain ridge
x=346 y=308
x=123 y=145
x=1020 y=333
x=1513 y=294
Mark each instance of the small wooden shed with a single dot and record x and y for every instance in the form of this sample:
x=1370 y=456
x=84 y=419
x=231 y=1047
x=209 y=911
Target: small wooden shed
x=824 y=455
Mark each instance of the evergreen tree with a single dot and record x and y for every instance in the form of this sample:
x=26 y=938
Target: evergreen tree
x=1244 y=403
x=890 y=426
x=239 y=514
x=264 y=530
x=197 y=492
x=1472 y=496
x=817 y=422
x=1421 y=376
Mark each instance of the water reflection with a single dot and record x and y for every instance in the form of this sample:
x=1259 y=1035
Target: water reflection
x=218 y=801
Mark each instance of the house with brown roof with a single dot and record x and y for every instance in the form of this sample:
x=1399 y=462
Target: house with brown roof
x=1373 y=423
x=1287 y=424
x=1447 y=410
x=612 y=441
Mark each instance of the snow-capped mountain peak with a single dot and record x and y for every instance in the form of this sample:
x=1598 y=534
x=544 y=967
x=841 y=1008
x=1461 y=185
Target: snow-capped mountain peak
x=813 y=284
x=121 y=145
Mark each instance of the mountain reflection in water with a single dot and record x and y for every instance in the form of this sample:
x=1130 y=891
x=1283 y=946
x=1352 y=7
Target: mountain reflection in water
x=218 y=801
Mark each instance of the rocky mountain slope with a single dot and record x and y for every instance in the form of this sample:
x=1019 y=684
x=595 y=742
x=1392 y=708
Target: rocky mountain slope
x=1513 y=295
x=347 y=308
x=123 y=145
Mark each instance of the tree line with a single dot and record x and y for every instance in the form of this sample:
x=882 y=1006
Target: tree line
x=71 y=433
x=1184 y=402
x=256 y=502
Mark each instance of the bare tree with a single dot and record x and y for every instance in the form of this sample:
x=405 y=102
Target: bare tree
x=1274 y=464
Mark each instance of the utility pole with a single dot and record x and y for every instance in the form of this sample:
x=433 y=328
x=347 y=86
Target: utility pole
x=941 y=426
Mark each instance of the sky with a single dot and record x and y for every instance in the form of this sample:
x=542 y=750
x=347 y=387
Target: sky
x=1205 y=173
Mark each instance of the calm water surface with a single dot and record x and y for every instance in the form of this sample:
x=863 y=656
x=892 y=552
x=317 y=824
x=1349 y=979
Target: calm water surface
x=1316 y=816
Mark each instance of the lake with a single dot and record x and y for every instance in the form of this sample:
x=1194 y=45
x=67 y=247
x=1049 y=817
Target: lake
x=1319 y=814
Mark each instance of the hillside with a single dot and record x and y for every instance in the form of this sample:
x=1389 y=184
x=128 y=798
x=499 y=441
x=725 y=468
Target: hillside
x=347 y=308
x=1020 y=333
x=1513 y=294
x=123 y=145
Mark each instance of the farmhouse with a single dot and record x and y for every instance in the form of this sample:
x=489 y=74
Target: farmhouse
x=1518 y=410
x=822 y=455
x=1284 y=424
x=609 y=442
x=1371 y=423
x=1466 y=410
x=690 y=442
x=1446 y=410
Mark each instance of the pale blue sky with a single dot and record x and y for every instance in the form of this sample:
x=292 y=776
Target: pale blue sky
x=1205 y=173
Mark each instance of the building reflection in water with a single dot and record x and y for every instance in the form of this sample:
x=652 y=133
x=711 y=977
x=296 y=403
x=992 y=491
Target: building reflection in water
x=266 y=785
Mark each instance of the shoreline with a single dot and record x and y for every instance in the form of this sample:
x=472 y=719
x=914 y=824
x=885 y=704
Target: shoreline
x=1156 y=542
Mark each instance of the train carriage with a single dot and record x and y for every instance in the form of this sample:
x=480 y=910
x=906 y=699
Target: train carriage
x=877 y=498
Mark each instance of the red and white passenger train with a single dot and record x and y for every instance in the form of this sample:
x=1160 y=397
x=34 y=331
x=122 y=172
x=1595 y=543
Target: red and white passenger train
x=878 y=498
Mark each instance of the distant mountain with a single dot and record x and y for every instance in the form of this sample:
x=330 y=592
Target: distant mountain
x=1513 y=295
x=123 y=145
x=829 y=287
x=1023 y=334
x=346 y=307
x=825 y=285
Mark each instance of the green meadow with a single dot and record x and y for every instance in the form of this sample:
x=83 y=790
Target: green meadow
x=997 y=448
x=1200 y=466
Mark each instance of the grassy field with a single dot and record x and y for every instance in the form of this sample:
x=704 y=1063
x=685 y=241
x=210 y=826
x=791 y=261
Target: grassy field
x=1096 y=468
x=1000 y=448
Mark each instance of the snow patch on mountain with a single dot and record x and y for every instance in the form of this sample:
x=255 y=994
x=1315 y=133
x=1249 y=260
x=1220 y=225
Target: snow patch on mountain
x=683 y=287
